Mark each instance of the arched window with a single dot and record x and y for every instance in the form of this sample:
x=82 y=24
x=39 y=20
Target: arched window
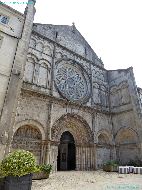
x=29 y=70
x=42 y=78
x=44 y=75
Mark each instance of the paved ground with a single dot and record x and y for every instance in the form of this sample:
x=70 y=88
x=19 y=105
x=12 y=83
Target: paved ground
x=97 y=180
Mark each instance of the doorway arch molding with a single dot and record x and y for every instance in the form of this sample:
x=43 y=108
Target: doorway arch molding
x=74 y=124
x=32 y=123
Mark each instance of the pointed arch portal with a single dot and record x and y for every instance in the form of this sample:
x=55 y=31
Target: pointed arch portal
x=66 y=159
x=72 y=143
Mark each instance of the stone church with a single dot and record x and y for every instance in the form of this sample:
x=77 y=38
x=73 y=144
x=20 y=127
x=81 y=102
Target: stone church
x=58 y=101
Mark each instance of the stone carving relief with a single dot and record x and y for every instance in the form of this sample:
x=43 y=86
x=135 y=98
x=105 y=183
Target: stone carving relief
x=47 y=50
x=27 y=132
x=100 y=94
x=86 y=67
x=72 y=81
x=119 y=94
x=78 y=128
x=97 y=74
x=96 y=96
x=59 y=55
x=28 y=138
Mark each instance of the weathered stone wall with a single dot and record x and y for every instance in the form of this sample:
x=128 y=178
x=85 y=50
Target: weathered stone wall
x=126 y=114
x=70 y=38
x=66 y=88
x=110 y=92
x=17 y=63
x=100 y=88
x=32 y=107
x=140 y=95
x=9 y=35
x=99 y=123
x=41 y=60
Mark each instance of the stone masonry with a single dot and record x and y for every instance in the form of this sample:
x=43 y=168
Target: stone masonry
x=62 y=86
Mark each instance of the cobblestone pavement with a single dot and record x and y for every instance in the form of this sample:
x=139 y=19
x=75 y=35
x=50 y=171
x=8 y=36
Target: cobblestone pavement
x=96 y=180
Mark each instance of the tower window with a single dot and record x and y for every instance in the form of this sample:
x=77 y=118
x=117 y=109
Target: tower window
x=4 y=19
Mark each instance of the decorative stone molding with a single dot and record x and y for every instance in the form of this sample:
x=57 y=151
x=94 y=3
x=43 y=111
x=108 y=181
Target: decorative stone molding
x=32 y=123
x=72 y=81
x=76 y=125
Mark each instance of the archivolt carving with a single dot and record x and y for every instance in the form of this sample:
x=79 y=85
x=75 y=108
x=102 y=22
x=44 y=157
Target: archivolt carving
x=33 y=124
x=120 y=94
x=27 y=132
x=45 y=62
x=33 y=57
x=116 y=88
x=77 y=126
x=28 y=138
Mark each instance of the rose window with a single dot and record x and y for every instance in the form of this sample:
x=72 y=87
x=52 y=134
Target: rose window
x=71 y=81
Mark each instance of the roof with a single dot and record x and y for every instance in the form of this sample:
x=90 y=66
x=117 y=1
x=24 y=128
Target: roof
x=10 y=8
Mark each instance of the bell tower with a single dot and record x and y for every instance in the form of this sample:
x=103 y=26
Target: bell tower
x=15 y=81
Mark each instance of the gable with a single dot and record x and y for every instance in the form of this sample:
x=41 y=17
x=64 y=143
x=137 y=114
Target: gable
x=69 y=37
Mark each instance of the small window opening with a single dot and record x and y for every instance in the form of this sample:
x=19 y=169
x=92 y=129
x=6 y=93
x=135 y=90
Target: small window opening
x=3 y=19
x=56 y=34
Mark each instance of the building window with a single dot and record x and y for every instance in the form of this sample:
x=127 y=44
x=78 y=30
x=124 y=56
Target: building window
x=4 y=19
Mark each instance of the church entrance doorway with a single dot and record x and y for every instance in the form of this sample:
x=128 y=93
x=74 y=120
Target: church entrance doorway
x=66 y=159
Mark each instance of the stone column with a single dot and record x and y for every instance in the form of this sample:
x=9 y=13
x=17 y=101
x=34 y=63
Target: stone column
x=85 y=158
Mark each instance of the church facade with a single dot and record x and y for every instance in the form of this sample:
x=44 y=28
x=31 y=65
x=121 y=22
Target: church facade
x=64 y=106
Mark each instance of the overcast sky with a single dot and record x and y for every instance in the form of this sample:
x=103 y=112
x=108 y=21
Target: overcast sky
x=112 y=27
